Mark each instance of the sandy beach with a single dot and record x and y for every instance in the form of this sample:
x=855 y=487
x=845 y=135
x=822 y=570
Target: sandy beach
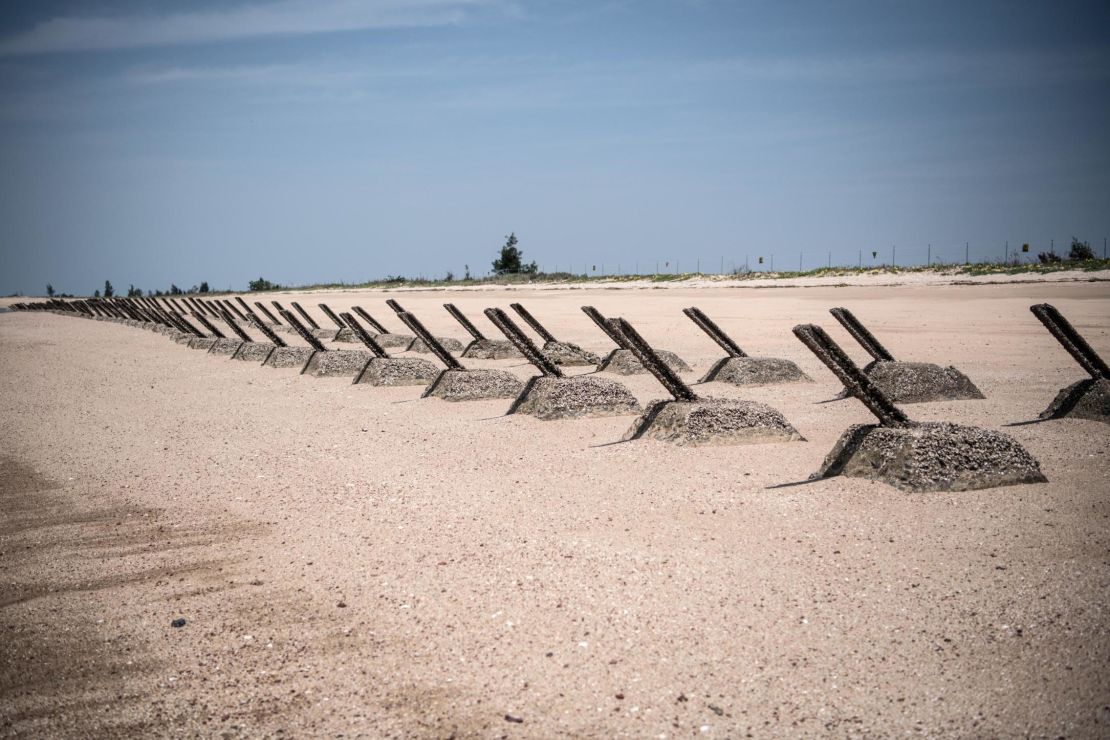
x=356 y=561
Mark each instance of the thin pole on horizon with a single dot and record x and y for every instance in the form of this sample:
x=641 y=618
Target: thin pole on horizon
x=800 y=261
x=830 y=259
x=722 y=266
x=930 y=257
x=967 y=253
x=893 y=255
x=861 y=259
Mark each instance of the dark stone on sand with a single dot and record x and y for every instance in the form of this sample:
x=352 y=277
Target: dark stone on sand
x=931 y=456
x=398 y=371
x=712 y=421
x=474 y=385
x=338 y=363
x=755 y=371
x=547 y=397
x=624 y=362
x=1087 y=399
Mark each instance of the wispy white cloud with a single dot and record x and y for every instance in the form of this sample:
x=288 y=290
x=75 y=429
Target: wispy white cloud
x=279 y=17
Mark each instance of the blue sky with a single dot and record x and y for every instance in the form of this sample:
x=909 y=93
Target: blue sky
x=328 y=140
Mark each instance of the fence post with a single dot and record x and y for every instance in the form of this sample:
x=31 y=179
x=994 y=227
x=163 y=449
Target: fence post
x=893 y=255
x=967 y=253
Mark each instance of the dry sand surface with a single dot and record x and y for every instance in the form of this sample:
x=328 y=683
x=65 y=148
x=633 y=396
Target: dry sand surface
x=352 y=561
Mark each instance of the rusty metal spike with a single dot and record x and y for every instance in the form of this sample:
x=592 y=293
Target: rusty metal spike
x=267 y=331
x=523 y=343
x=306 y=335
x=854 y=379
x=861 y=334
x=273 y=319
x=1072 y=340
x=234 y=309
x=374 y=323
x=603 y=324
x=647 y=357
x=537 y=327
x=433 y=344
x=208 y=325
x=363 y=335
x=230 y=321
x=716 y=333
x=308 y=319
x=462 y=319
x=331 y=315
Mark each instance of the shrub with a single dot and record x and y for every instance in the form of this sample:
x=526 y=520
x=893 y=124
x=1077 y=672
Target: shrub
x=1080 y=251
x=262 y=284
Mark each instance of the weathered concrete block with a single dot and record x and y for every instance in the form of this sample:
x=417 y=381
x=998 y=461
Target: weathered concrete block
x=547 y=397
x=712 y=421
x=474 y=385
x=932 y=456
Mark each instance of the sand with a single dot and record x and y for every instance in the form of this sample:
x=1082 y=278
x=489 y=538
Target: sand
x=356 y=560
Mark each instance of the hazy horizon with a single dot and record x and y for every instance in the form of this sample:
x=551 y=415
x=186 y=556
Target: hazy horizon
x=342 y=141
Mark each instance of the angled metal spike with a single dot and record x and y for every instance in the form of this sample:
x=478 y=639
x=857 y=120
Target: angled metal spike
x=854 y=379
x=647 y=357
x=537 y=327
x=331 y=315
x=273 y=319
x=230 y=321
x=1072 y=340
x=308 y=319
x=363 y=335
x=199 y=305
x=425 y=336
x=523 y=343
x=394 y=305
x=461 y=318
x=716 y=333
x=234 y=309
x=861 y=334
x=374 y=324
x=267 y=331
x=306 y=335
x=186 y=325
x=208 y=325
x=603 y=324
x=246 y=308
